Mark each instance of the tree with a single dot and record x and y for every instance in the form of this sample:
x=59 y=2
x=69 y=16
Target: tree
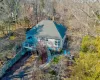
x=2 y=29
x=27 y=22
x=42 y=4
x=87 y=65
x=13 y=8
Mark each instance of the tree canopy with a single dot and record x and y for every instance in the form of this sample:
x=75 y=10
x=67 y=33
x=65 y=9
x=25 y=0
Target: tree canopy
x=87 y=66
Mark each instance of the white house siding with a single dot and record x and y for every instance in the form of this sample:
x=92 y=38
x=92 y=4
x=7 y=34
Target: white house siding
x=49 y=42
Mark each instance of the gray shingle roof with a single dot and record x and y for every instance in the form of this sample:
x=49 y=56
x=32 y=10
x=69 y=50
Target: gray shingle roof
x=49 y=29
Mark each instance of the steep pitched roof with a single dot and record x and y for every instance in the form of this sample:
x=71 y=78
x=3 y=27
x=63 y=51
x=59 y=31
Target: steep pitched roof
x=49 y=29
x=52 y=29
x=61 y=29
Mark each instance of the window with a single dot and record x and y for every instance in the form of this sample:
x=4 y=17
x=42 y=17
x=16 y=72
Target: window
x=46 y=39
x=57 y=42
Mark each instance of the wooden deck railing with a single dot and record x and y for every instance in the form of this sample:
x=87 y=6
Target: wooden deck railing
x=11 y=62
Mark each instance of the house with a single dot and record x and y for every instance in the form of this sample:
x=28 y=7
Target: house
x=48 y=33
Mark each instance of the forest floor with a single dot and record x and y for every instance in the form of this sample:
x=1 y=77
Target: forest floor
x=8 y=45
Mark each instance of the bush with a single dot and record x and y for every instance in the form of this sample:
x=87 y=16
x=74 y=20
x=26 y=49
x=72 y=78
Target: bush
x=55 y=60
x=88 y=44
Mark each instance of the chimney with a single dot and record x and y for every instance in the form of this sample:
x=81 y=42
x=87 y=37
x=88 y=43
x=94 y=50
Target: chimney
x=53 y=18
